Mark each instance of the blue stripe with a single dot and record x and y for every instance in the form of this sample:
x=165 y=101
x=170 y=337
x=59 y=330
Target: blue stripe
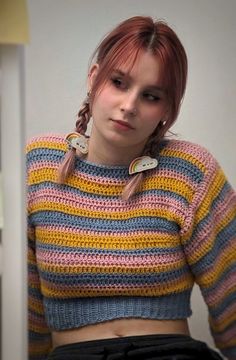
x=226 y=302
x=220 y=198
x=35 y=292
x=222 y=278
x=209 y=218
x=143 y=223
x=223 y=237
x=181 y=166
x=43 y=154
x=177 y=164
x=230 y=228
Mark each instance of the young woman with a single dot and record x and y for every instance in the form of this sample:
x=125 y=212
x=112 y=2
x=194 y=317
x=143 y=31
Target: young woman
x=123 y=223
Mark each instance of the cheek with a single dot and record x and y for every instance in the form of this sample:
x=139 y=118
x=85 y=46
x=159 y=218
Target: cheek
x=154 y=114
x=103 y=101
x=153 y=117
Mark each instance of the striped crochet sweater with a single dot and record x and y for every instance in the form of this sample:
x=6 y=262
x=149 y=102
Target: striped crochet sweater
x=93 y=257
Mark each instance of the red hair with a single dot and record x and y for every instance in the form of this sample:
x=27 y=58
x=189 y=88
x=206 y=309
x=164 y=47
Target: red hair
x=124 y=44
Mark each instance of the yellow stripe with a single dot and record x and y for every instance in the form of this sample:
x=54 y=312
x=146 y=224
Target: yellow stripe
x=213 y=191
x=31 y=257
x=223 y=345
x=95 y=188
x=35 y=306
x=106 y=241
x=207 y=246
x=163 y=183
x=211 y=276
x=179 y=187
x=223 y=324
x=185 y=156
x=40 y=175
x=42 y=346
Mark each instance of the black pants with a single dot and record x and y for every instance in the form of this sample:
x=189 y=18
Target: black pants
x=150 y=347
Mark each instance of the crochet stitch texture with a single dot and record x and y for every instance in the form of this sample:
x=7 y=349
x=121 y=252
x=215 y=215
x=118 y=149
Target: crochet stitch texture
x=94 y=257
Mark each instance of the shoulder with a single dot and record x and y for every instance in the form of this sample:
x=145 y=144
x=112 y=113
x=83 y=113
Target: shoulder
x=195 y=155
x=45 y=150
x=46 y=141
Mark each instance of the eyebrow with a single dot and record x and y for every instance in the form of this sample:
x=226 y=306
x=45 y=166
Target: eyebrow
x=151 y=87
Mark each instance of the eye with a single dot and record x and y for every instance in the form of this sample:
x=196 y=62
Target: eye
x=119 y=83
x=151 y=97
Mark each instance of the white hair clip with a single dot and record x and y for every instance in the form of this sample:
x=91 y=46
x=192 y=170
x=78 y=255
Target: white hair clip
x=77 y=141
x=141 y=164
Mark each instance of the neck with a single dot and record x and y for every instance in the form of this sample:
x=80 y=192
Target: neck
x=106 y=153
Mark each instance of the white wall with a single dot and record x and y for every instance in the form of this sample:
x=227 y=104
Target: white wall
x=13 y=239
x=64 y=34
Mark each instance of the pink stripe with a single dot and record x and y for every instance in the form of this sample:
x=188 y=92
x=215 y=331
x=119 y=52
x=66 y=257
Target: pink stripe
x=43 y=164
x=37 y=321
x=222 y=289
x=73 y=200
x=230 y=311
x=227 y=336
x=203 y=235
x=221 y=255
x=72 y=259
x=48 y=138
x=33 y=277
x=114 y=236
x=195 y=150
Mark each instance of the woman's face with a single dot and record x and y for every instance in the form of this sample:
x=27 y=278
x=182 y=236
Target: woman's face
x=130 y=105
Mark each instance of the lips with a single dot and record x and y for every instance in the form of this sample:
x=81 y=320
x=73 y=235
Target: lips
x=123 y=123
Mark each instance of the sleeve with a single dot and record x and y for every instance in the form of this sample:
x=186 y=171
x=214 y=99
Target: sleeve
x=39 y=335
x=209 y=241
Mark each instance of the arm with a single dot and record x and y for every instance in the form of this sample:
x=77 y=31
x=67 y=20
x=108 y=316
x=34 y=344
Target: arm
x=39 y=334
x=209 y=241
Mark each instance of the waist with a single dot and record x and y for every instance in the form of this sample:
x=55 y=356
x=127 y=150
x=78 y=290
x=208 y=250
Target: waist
x=120 y=328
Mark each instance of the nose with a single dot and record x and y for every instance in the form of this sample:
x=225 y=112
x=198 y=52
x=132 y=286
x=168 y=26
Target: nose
x=129 y=103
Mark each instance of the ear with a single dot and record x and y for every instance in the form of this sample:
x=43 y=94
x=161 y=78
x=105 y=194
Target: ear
x=92 y=76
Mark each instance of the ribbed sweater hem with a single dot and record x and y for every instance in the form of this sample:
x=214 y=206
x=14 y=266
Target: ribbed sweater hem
x=74 y=313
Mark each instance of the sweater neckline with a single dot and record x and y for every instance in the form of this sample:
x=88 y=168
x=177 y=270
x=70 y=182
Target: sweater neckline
x=96 y=169
x=103 y=166
x=101 y=170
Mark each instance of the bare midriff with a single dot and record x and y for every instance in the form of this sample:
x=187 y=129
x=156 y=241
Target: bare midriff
x=120 y=328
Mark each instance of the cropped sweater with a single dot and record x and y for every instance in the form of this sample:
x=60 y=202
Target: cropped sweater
x=93 y=257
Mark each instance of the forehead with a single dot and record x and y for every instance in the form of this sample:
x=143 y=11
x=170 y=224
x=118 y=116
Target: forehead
x=146 y=68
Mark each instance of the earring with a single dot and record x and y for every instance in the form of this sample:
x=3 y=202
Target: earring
x=77 y=141
x=87 y=100
x=163 y=123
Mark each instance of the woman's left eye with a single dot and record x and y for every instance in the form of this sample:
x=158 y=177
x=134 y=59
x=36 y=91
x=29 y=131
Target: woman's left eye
x=151 y=97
